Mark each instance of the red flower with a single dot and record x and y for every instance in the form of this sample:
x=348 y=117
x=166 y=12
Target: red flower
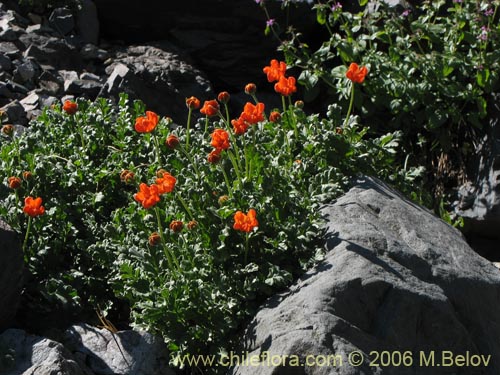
x=253 y=113
x=172 y=141
x=245 y=223
x=148 y=196
x=14 y=182
x=220 y=139
x=250 y=88
x=193 y=102
x=146 y=124
x=176 y=226
x=210 y=108
x=70 y=107
x=356 y=74
x=166 y=183
x=33 y=207
x=275 y=117
x=223 y=97
x=275 y=70
x=214 y=156
x=239 y=126
x=285 y=86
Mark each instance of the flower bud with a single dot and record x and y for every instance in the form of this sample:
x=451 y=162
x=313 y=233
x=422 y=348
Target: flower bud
x=275 y=117
x=339 y=130
x=154 y=239
x=127 y=176
x=223 y=199
x=223 y=97
x=14 y=182
x=160 y=173
x=176 y=226
x=8 y=130
x=214 y=156
x=299 y=104
x=27 y=175
x=250 y=88
x=172 y=141
x=192 y=224
x=193 y=102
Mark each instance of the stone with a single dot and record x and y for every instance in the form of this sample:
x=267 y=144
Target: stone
x=14 y=112
x=52 y=51
x=39 y=29
x=90 y=88
x=479 y=199
x=92 y=52
x=11 y=274
x=33 y=355
x=159 y=75
x=16 y=87
x=26 y=71
x=395 y=278
x=61 y=20
x=124 y=352
x=5 y=63
x=4 y=90
x=90 y=77
x=8 y=35
x=87 y=22
x=9 y=49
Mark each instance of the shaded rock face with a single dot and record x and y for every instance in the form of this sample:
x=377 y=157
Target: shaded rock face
x=396 y=278
x=11 y=274
x=479 y=201
x=225 y=38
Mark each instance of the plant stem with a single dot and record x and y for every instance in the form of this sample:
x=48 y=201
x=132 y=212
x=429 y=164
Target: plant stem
x=188 y=125
x=229 y=189
x=167 y=252
x=26 y=257
x=157 y=149
x=246 y=248
x=348 y=115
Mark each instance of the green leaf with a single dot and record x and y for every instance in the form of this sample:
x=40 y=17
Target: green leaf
x=482 y=77
x=321 y=16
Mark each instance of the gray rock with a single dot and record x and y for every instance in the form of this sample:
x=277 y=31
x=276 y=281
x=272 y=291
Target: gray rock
x=4 y=91
x=90 y=88
x=87 y=22
x=33 y=355
x=90 y=77
x=11 y=274
x=39 y=29
x=51 y=51
x=14 y=111
x=158 y=75
x=8 y=35
x=16 y=87
x=9 y=49
x=26 y=71
x=92 y=52
x=5 y=63
x=125 y=352
x=479 y=199
x=396 y=278
x=61 y=19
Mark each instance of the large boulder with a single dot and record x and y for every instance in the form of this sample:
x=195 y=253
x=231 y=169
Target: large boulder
x=123 y=352
x=11 y=274
x=24 y=354
x=396 y=279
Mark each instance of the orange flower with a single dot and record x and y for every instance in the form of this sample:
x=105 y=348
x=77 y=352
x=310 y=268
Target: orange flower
x=172 y=141
x=250 y=88
x=356 y=74
x=223 y=97
x=193 y=102
x=146 y=124
x=148 y=196
x=166 y=183
x=239 y=126
x=275 y=70
x=285 y=86
x=210 y=108
x=220 y=139
x=154 y=239
x=70 y=107
x=8 y=130
x=176 y=226
x=33 y=206
x=245 y=223
x=214 y=156
x=14 y=182
x=253 y=113
x=275 y=117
